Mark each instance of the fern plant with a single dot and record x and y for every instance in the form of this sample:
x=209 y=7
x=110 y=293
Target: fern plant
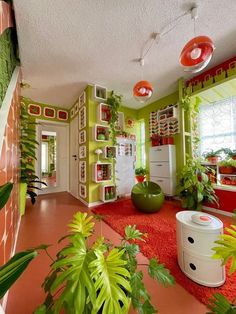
x=101 y=278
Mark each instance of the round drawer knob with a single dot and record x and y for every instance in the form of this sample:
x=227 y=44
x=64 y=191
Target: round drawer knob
x=191 y=240
x=192 y=266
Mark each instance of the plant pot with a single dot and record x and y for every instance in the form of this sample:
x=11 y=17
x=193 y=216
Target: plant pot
x=23 y=189
x=140 y=178
x=226 y=170
x=213 y=160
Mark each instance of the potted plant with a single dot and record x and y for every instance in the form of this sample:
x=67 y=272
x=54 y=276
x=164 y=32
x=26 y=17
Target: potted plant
x=100 y=278
x=194 y=186
x=28 y=145
x=227 y=166
x=212 y=156
x=231 y=153
x=140 y=174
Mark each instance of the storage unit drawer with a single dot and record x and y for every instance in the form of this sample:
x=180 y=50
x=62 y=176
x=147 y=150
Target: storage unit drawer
x=203 y=270
x=160 y=153
x=167 y=185
x=160 y=169
x=199 y=242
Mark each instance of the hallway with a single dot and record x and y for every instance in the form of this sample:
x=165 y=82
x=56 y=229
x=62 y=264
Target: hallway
x=46 y=222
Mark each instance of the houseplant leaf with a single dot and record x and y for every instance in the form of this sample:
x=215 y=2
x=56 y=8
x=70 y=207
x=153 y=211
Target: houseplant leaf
x=220 y=305
x=82 y=223
x=12 y=270
x=160 y=273
x=5 y=191
x=111 y=281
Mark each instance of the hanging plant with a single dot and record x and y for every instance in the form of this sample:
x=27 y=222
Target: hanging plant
x=114 y=101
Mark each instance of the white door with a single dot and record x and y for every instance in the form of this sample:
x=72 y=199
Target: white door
x=125 y=166
x=52 y=165
x=74 y=162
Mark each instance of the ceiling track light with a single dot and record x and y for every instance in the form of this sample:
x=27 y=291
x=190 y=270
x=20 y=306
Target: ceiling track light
x=194 y=57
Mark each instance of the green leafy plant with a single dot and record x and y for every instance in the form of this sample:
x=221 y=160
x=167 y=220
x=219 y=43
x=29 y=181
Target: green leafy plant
x=194 y=186
x=5 y=191
x=226 y=251
x=101 y=278
x=114 y=101
x=227 y=163
x=28 y=145
x=141 y=171
x=219 y=304
x=212 y=153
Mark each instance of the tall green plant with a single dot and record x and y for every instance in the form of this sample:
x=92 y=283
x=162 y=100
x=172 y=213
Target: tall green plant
x=194 y=186
x=28 y=146
x=115 y=102
x=101 y=278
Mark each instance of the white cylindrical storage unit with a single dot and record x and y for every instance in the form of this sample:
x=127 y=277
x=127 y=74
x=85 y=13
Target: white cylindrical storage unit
x=196 y=234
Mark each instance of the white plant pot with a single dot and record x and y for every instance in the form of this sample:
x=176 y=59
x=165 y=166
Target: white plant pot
x=1 y=310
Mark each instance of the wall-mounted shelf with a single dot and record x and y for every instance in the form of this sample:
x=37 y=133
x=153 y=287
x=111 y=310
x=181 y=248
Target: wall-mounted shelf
x=82 y=118
x=99 y=93
x=82 y=171
x=164 y=122
x=120 y=124
x=101 y=133
x=102 y=172
x=103 y=113
x=110 y=152
x=107 y=193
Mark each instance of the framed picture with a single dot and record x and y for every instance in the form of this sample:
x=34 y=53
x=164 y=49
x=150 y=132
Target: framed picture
x=82 y=118
x=82 y=99
x=72 y=112
x=82 y=137
x=82 y=191
x=76 y=107
x=82 y=171
x=82 y=151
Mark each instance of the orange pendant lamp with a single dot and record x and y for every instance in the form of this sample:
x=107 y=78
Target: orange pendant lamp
x=142 y=90
x=198 y=52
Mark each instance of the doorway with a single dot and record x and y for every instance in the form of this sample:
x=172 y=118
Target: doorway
x=52 y=166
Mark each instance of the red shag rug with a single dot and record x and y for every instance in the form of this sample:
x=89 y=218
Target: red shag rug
x=161 y=241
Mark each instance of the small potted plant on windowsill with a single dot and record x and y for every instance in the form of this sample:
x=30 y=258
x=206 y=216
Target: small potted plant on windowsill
x=212 y=156
x=231 y=153
x=140 y=174
x=227 y=166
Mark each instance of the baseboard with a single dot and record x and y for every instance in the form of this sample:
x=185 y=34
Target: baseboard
x=217 y=211
x=90 y=204
x=5 y=298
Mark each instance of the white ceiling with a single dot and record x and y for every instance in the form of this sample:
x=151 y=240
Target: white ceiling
x=65 y=45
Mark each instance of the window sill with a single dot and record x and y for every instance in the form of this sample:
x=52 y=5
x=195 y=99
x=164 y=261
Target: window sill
x=225 y=187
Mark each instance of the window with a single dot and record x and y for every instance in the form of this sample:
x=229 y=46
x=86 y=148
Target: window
x=141 y=152
x=217 y=125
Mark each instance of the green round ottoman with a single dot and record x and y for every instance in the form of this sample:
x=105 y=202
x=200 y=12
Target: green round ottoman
x=147 y=197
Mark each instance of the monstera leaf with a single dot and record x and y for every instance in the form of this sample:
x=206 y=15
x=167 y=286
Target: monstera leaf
x=81 y=223
x=5 y=191
x=74 y=276
x=111 y=282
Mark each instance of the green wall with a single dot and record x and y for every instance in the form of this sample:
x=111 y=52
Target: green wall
x=143 y=113
x=93 y=145
x=8 y=59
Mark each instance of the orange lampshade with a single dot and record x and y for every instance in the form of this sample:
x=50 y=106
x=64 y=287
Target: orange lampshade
x=142 y=91
x=196 y=54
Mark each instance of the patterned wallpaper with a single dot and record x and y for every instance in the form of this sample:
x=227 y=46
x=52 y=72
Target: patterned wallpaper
x=9 y=165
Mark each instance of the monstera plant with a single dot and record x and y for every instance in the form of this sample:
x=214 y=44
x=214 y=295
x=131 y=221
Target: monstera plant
x=226 y=251
x=101 y=278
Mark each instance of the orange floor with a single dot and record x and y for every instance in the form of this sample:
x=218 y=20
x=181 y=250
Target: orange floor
x=46 y=222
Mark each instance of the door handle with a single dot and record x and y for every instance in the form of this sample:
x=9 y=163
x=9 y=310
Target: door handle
x=75 y=157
